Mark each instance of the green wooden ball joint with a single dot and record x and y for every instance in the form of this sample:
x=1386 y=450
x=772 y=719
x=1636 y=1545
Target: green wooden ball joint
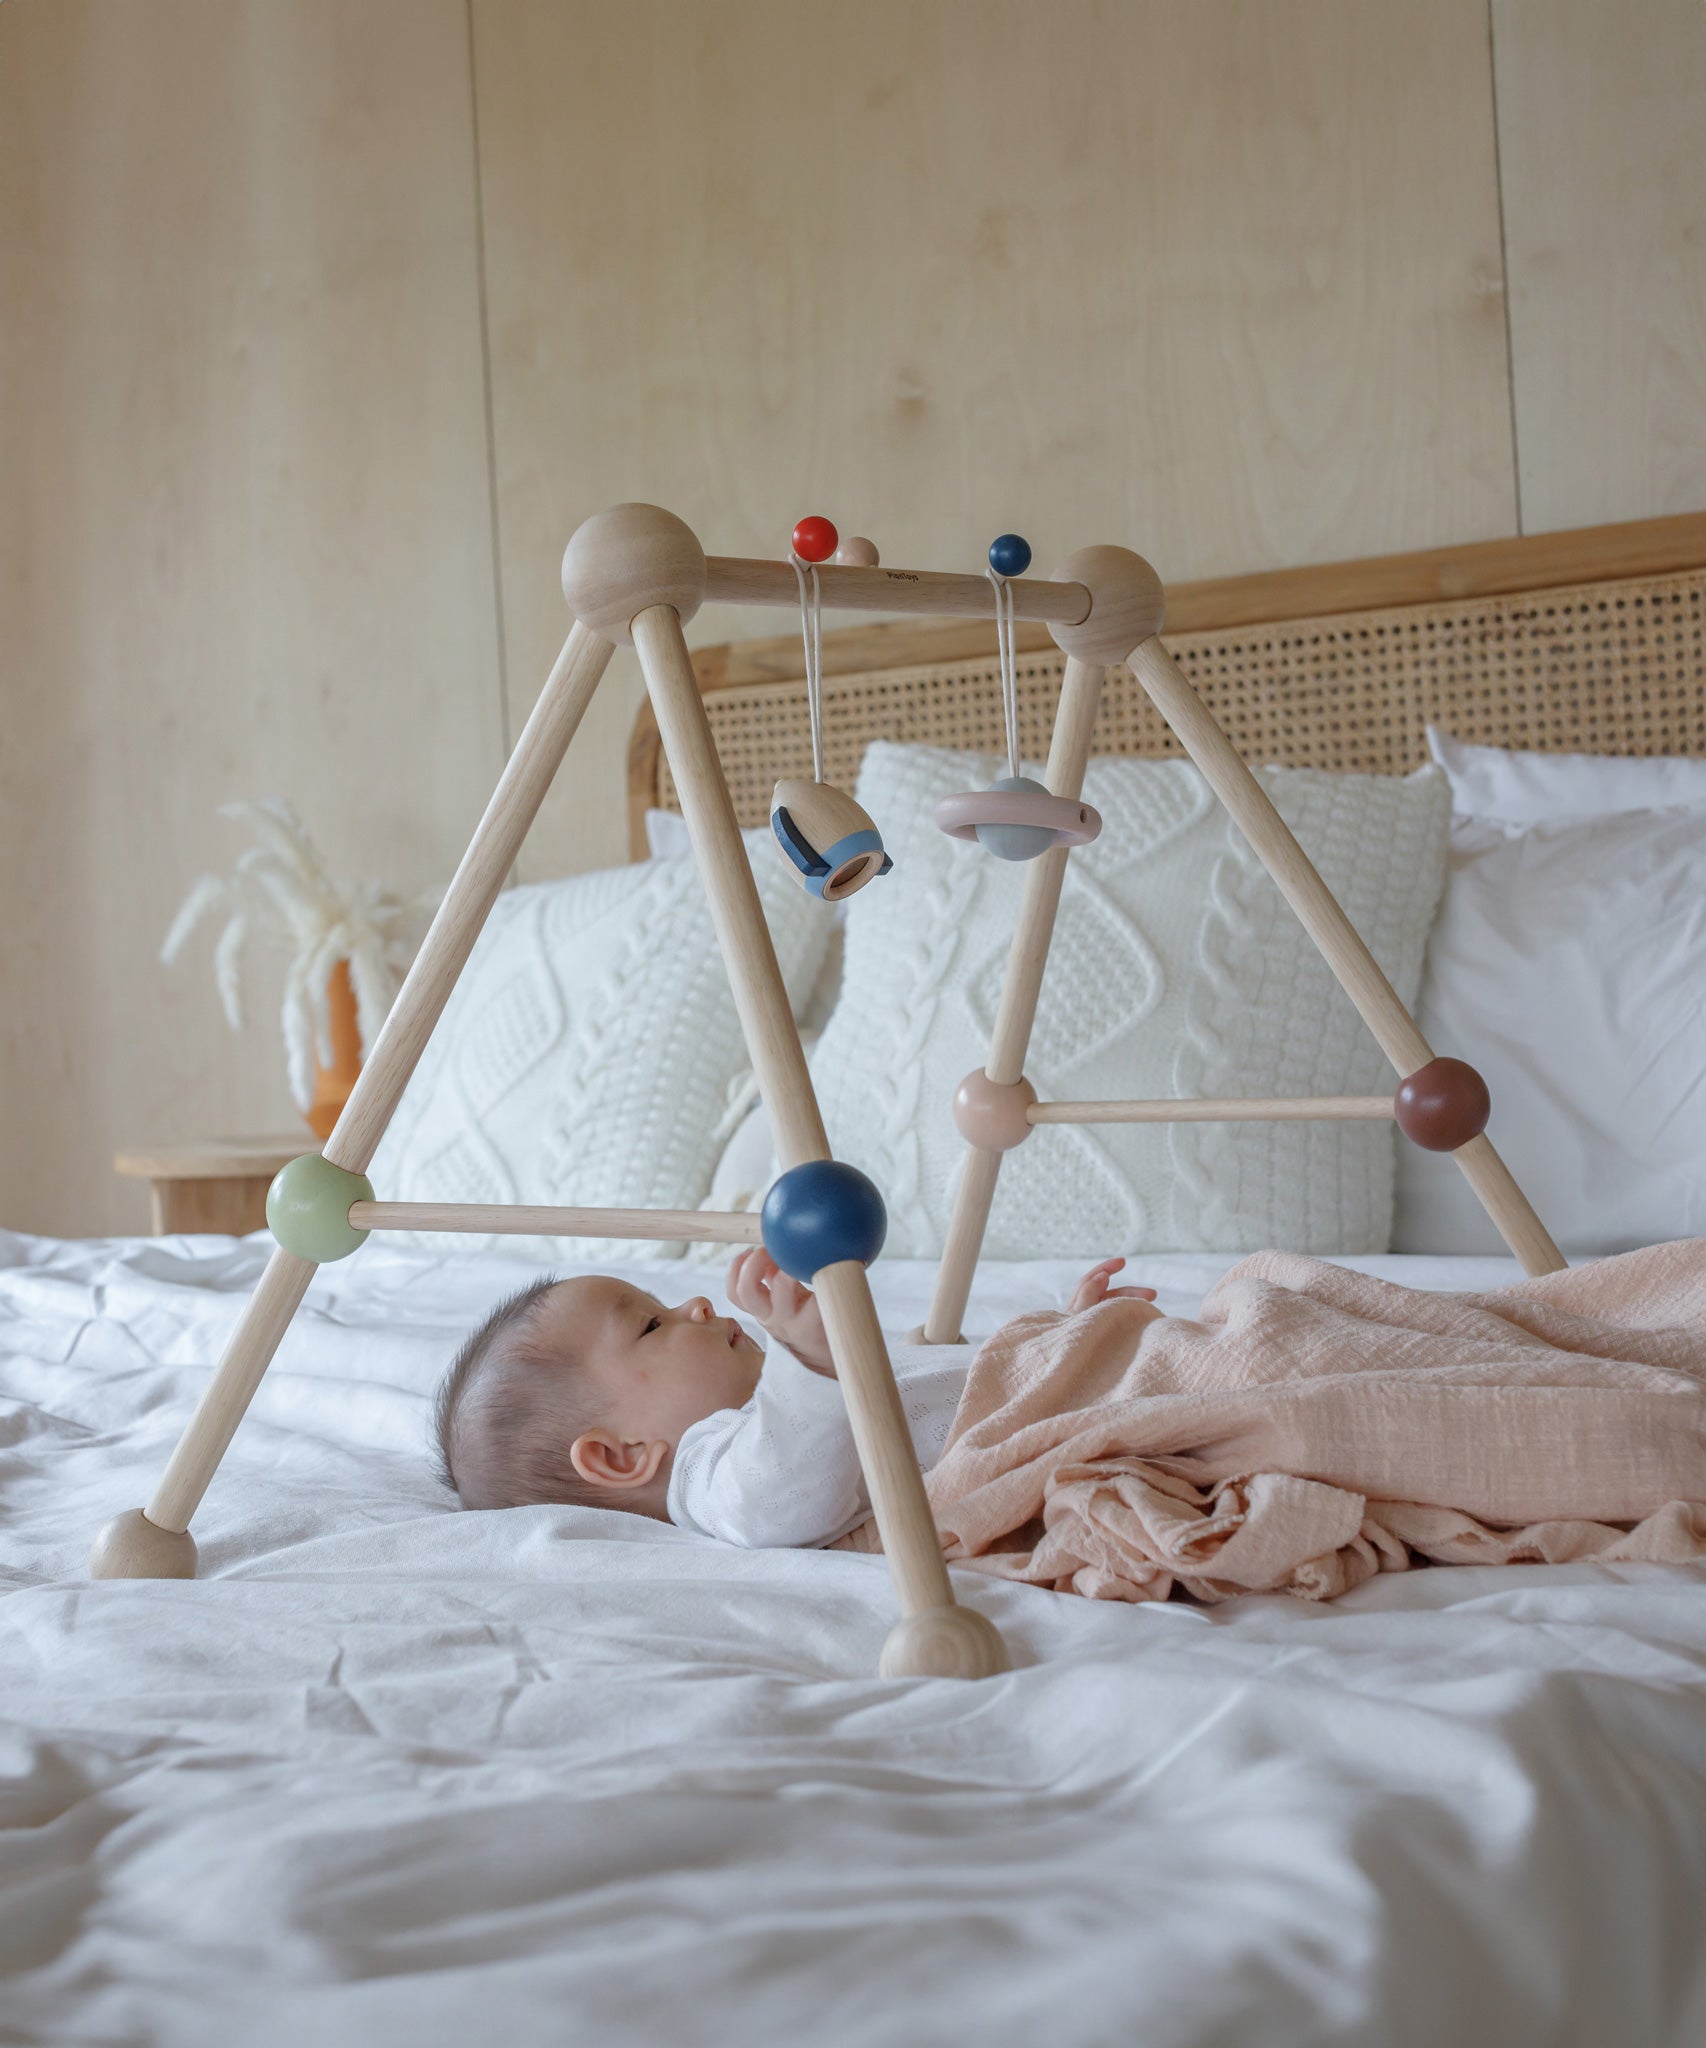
x=308 y=1209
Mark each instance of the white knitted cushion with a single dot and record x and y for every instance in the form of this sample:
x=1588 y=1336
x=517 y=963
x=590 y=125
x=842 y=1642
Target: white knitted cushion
x=1176 y=970
x=586 y=1055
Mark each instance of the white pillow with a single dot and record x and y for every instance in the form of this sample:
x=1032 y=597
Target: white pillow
x=1527 y=788
x=1569 y=966
x=586 y=1055
x=1176 y=970
x=667 y=836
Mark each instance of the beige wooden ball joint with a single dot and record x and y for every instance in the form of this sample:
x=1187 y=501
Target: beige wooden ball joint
x=622 y=562
x=993 y=1115
x=1127 y=606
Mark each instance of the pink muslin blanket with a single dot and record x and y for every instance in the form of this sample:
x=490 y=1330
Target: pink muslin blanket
x=1313 y=1426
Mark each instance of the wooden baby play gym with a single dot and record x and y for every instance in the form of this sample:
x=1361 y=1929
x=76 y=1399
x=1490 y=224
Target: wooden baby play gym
x=636 y=574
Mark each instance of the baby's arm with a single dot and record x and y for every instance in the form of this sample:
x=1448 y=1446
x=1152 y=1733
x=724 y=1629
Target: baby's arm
x=781 y=1473
x=787 y=1309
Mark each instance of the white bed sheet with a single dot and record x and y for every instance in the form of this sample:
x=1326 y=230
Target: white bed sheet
x=394 y=1773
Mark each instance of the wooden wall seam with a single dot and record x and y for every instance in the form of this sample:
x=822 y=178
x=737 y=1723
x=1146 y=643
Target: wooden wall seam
x=1504 y=265
x=494 y=510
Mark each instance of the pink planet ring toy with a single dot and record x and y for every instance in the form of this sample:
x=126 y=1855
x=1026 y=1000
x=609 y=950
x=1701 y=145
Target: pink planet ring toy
x=1017 y=819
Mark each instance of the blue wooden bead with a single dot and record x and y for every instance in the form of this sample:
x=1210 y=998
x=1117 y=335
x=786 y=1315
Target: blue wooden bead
x=821 y=1213
x=1010 y=555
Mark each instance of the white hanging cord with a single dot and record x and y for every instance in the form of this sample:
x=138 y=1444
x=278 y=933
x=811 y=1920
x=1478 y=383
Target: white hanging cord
x=811 y=632
x=1007 y=654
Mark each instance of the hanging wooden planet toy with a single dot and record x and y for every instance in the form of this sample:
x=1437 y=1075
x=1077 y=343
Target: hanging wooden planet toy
x=827 y=838
x=1016 y=817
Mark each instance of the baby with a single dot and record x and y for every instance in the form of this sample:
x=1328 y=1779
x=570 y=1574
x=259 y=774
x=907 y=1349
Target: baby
x=590 y=1391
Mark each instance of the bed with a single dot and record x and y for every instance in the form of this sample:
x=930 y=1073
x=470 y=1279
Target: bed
x=389 y=1772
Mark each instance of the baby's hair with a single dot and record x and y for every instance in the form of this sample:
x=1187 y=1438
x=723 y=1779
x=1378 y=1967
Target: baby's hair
x=504 y=1419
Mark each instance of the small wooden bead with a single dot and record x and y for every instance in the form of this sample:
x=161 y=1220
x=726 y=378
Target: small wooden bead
x=1009 y=554
x=1442 y=1105
x=857 y=553
x=992 y=1114
x=815 y=538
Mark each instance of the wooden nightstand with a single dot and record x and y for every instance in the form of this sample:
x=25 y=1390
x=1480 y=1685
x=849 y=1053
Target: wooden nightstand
x=219 y=1185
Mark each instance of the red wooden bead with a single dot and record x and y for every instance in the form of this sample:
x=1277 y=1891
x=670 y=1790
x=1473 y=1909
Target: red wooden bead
x=815 y=538
x=1442 y=1105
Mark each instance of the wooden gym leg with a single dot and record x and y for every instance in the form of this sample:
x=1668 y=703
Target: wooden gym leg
x=155 y=1543
x=935 y=1637
x=1069 y=752
x=1341 y=946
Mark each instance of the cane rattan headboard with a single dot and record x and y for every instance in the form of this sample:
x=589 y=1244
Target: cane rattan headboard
x=1585 y=642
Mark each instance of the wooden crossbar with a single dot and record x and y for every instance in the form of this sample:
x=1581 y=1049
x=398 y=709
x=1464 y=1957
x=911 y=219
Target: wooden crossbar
x=1222 y=1109
x=510 y=1219
x=742 y=579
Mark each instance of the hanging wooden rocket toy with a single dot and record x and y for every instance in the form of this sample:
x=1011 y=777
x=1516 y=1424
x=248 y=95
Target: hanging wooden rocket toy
x=831 y=845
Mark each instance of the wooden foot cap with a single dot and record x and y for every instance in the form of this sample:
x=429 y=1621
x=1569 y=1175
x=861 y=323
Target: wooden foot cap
x=944 y=1642
x=132 y=1547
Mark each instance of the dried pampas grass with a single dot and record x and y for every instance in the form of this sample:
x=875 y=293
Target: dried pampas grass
x=281 y=894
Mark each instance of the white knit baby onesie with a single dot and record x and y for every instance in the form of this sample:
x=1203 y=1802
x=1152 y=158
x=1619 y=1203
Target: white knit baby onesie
x=782 y=1473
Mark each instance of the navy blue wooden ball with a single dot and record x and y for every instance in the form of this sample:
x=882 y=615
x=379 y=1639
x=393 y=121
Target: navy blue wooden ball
x=1010 y=555
x=821 y=1213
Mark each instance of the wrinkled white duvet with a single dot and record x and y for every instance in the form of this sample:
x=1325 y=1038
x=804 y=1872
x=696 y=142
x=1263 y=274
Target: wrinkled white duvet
x=391 y=1773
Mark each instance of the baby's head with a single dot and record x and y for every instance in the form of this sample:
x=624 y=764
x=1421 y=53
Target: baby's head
x=580 y=1390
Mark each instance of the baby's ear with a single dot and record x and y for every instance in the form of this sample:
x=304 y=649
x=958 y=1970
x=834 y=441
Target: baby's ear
x=604 y=1459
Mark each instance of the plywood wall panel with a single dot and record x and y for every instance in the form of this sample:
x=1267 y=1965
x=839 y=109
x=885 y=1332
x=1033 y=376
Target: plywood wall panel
x=245 y=544
x=1602 y=134
x=1221 y=282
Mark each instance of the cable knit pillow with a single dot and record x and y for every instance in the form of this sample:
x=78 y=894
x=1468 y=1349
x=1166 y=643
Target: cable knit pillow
x=587 y=1053
x=1177 y=970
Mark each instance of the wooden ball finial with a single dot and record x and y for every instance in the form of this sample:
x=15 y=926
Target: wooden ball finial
x=132 y=1547
x=1442 y=1105
x=944 y=1642
x=1127 y=604
x=624 y=561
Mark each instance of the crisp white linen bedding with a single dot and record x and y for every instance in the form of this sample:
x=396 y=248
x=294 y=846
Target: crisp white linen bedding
x=395 y=1773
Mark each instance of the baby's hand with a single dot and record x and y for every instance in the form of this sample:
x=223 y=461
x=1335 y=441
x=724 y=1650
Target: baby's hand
x=1094 y=1288
x=787 y=1310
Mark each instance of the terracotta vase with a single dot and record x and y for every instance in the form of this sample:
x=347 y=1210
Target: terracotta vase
x=332 y=1084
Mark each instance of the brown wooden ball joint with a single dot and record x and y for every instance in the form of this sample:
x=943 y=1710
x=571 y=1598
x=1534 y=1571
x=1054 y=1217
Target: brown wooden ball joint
x=1442 y=1105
